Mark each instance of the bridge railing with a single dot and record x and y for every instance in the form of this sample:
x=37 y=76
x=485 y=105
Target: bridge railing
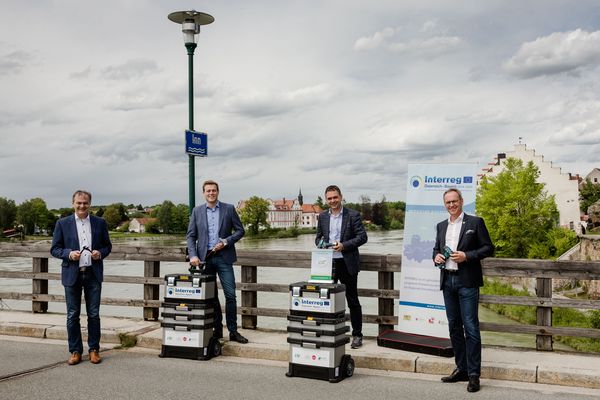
x=544 y=271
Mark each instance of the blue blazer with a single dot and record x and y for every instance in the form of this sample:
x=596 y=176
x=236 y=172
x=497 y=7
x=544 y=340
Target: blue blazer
x=352 y=236
x=230 y=229
x=474 y=241
x=65 y=240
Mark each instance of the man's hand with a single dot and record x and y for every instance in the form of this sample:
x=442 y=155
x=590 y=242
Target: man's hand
x=195 y=261
x=439 y=259
x=458 y=257
x=74 y=255
x=338 y=246
x=96 y=255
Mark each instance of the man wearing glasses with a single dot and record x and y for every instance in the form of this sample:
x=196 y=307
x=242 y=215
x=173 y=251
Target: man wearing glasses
x=81 y=240
x=460 y=278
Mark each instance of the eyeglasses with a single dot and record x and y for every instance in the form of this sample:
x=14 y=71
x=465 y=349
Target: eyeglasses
x=451 y=202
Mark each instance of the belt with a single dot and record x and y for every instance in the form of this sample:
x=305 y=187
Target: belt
x=452 y=271
x=83 y=269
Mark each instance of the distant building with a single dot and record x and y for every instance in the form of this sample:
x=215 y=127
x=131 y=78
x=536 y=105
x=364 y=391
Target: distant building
x=593 y=176
x=289 y=213
x=564 y=186
x=138 y=225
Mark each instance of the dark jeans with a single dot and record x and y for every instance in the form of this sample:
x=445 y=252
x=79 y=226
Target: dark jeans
x=216 y=266
x=351 y=282
x=462 y=312
x=86 y=282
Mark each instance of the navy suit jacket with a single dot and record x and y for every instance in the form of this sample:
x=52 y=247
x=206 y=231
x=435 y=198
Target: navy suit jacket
x=65 y=240
x=352 y=236
x=474 y=241
x=230 y=229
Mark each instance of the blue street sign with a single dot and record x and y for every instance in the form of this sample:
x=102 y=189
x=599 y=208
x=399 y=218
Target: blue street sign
x=196 y=143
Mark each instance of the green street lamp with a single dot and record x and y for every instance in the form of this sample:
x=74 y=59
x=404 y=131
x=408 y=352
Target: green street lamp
x=190 y=26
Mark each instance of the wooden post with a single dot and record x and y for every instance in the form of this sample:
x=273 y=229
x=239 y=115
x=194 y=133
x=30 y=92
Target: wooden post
x=385 y=280
x=39 y=286
x=249 y=297
x=151 y=291
x=544 y=314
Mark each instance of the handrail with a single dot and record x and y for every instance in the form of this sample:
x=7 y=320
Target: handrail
x=249 y=260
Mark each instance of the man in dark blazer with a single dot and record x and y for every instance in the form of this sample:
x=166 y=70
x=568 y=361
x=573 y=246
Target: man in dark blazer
x=81 y=240
x=460 y=279
x=344 y=228
x=214 y=229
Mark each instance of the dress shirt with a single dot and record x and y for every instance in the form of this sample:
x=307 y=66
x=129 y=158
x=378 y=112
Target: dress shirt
x=452 y=235
x=335 y=230
x=84 y=234
x=212 y=217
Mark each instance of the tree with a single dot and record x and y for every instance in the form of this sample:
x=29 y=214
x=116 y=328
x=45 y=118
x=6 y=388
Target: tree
x=8 y=213
x=366 y=208
x=381 y=214
x=32 y=214
x=589 y=193
x=112 y=216
x=254 y=214
x=319 y=202
x=181 y=218
x=517 y=211
x=165 y=216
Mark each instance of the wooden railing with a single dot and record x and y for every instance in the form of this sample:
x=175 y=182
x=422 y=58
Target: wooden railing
x=385 y=266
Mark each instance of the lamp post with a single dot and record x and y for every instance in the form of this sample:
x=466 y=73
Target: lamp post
x=190 y=26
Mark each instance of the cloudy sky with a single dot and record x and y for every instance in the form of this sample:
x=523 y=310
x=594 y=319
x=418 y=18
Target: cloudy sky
x=293 y=94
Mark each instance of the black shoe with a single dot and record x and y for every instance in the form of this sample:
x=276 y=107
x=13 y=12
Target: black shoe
x=473 y=385
x=218 y=334
x=456 y=376
x=356 y=342
x=236 y=337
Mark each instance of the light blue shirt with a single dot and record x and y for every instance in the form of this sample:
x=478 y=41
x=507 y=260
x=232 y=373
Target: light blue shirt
x=212 y=217
x=335 y=230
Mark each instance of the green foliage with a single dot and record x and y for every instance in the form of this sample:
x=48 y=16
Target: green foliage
x=558 y=241
x=589 y=193
x=254 y=214
x=165 y=216
x=320 y=203
x=381 y=214
x=8 y=213
x=181 y=218
x=516 y=209
x=526 y=314
x=560 y=316
x=33 y=214
x=152 y=227
x=112 y=216
x=595 y=319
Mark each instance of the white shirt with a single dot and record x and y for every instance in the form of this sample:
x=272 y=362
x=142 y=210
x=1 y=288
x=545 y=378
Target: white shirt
x=335 y=230
x=84 y=233
x=452 y=235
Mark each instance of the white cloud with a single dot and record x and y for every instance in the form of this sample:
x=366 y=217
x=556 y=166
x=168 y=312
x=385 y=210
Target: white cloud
x=556 y=53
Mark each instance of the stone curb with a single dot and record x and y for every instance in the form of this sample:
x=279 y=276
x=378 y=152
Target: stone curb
x=150 y=338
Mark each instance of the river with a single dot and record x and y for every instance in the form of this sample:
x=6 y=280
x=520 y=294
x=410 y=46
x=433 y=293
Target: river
x=388 y=242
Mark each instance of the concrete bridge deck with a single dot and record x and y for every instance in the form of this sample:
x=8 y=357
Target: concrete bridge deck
x=508 y=364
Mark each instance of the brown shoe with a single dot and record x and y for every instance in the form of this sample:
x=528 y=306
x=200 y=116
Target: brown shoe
x=74 y=359
x=95 y=357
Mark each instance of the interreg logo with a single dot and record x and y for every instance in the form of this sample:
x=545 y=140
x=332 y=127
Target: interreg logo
x=416 y=181
x=185 y=291
x=455 y=180
x=317 y=303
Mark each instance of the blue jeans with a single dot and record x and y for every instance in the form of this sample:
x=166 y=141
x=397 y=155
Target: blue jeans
x=215 y=265
x=92 y=290
x=463 y=322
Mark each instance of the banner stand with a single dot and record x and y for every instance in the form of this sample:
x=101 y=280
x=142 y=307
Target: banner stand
x=422 y=324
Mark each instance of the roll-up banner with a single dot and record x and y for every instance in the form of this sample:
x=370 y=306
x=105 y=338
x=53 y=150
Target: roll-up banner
x=421 y=305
